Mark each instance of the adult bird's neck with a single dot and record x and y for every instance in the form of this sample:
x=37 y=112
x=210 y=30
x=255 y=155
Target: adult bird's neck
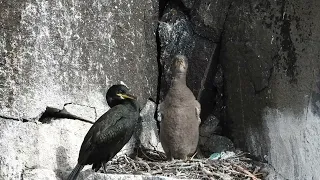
x=133 y=103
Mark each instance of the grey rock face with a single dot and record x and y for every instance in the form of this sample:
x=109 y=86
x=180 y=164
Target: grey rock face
x=208 y=142
x=87 y=175
x=215 y=144
x=208 y=18
x=81 y=112
x=28 y=146
x=39 y=174
x=209 y=126
x=57 y=52
x=148 y=134
x=44 y=174
x=270 y=54
x=188 y=3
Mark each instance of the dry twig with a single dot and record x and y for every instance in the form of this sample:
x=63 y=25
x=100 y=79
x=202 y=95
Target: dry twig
x=235 y=167
x=247 y=172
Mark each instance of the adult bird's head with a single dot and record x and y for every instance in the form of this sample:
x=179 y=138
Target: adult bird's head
x=180 y=64
x=117 y=94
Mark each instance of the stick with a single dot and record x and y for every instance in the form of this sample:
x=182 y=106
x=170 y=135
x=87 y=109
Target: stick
x=247 y=172
x=147 y=156
x=212 y=173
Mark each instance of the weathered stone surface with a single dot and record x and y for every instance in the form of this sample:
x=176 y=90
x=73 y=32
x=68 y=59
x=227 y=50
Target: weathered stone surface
x=39 y=174
x=57 y=52
x=29 y=145
x=148 y=133
x=272 y=174
x=177 y=37
x=80 y=111
x=215 y=144
x=270 y=54
x=188 y=3
x=208 y=18
x=209 y=126
x=88 y=175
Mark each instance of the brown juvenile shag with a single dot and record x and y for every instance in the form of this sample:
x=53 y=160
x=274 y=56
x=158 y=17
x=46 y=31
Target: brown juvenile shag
x=179 y=127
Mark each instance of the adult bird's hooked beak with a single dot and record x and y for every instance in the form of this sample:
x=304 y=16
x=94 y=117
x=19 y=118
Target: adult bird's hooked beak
x=126 y=96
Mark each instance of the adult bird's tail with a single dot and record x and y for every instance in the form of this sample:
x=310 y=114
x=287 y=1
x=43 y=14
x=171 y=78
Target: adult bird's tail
x=75 y=172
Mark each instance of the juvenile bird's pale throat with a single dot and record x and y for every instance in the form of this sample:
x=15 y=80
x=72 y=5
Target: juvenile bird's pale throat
x=126 y=96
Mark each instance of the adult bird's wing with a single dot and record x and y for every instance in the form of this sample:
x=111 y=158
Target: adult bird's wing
x=103 y=130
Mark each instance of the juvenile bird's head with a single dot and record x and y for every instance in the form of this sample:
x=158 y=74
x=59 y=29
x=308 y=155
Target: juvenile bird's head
x=180 y=64
x=117 y=94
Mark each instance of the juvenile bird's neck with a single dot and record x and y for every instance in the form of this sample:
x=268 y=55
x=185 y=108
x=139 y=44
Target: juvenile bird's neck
x=180 y=77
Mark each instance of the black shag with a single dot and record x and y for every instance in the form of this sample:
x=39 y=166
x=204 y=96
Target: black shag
x=110 y=132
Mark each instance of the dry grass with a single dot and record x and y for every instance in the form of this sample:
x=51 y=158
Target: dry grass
x=150 y=162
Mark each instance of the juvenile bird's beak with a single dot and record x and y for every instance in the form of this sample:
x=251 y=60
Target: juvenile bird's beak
x=180 y=63
x=126 y=96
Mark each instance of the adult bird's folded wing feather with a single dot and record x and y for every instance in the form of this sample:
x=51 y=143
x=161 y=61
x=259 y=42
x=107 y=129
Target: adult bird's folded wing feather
x=95 y=136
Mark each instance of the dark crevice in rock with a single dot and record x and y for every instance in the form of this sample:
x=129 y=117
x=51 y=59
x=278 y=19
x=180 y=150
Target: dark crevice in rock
x=15 y=118
x=277 y=173
x=162 y=6
x=225 y=20
x=51 y=112
x=209 y=90
x=287 y=44
x=186 y=11
x=21 y=178
x=225 y=127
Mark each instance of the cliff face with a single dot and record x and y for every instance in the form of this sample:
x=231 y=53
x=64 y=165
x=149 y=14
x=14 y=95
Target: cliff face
x=56 y=54
x=254 y=67
x=270 y=51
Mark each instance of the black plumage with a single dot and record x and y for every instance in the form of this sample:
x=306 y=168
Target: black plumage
x=110 y=132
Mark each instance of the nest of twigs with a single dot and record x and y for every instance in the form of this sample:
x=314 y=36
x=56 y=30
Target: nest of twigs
x=237 y=166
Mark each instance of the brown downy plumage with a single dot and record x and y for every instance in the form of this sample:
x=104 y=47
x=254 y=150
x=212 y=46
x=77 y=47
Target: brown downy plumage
x=179 y=128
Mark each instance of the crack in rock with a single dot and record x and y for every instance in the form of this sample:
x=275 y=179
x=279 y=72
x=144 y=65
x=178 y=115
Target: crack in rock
x=71 y=111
